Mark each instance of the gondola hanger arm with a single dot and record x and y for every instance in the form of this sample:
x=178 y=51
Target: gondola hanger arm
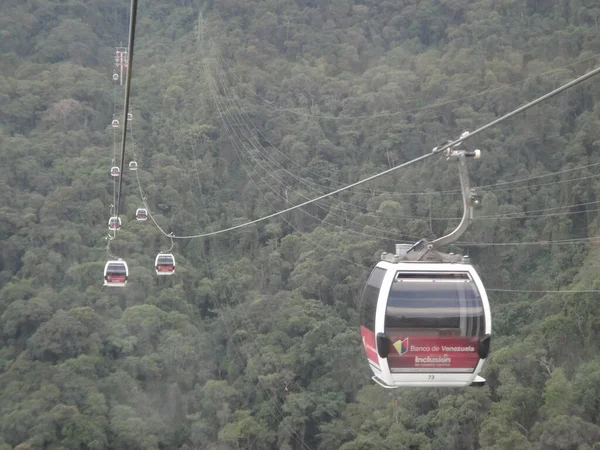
x=469 y=199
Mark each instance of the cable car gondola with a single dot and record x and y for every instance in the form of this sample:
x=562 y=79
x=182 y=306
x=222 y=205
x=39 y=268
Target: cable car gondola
x=164 y=264
x=115 y=123
x=114 y=223
x=129 y=116
x=425 y=315
x=141 y=214
x=115 y=171
x=115 y=77
x=116 y=273
x=132 y=165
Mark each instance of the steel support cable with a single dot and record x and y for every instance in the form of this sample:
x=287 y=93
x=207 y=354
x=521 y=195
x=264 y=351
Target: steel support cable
x=512 y=215
x=271 y=173
x=505 y=216
x=230 y=130
x=435 y=151
x=542 y=291
x=130 y=46
x=548 y=242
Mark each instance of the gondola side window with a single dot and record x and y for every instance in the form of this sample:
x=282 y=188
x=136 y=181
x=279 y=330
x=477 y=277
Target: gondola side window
x=370 y=297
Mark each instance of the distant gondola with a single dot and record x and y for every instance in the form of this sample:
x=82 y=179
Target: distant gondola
x=116 y=273
x=114 y=223
x=164 y=264
x=141 y=214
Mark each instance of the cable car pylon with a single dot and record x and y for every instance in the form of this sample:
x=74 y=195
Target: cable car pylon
x=425 y=316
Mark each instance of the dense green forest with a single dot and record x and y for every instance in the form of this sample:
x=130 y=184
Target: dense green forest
x=245 y=107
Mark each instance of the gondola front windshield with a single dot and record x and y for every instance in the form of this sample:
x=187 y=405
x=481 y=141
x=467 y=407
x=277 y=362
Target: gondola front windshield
x=434 y=323
x=117 y=269
x=450 y=306
x=165 y=260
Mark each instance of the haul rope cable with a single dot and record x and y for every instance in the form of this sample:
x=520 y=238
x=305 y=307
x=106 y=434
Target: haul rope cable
x=132 y=23
x=435 y=151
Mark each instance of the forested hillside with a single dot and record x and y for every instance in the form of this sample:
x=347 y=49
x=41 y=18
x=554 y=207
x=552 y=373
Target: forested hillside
x=245 y=107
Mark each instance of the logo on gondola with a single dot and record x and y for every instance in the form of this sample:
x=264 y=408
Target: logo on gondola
x=401 y=346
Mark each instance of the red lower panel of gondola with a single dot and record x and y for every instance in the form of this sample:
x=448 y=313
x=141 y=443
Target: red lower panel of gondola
x=115 y=279
x=368 y=340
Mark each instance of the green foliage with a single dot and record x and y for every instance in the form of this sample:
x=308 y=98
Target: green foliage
x=254 y=343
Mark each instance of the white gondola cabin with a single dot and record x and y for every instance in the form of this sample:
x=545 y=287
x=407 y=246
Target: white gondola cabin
x=141 y=214
x=115 y=77
x=425 y=324
x=132 y=165
x=114 y=223
x=116 y=273
x=129 y=116
x=115 y=171
x=115 y=123
x=164 y=264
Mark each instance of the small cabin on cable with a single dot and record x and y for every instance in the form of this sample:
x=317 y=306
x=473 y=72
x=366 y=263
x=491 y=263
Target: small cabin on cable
x=115 y=123
x=116 y=273
x=114 y=223
x=133 y=165
x=141 y=214
x=115 y=171
x=164 y=264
